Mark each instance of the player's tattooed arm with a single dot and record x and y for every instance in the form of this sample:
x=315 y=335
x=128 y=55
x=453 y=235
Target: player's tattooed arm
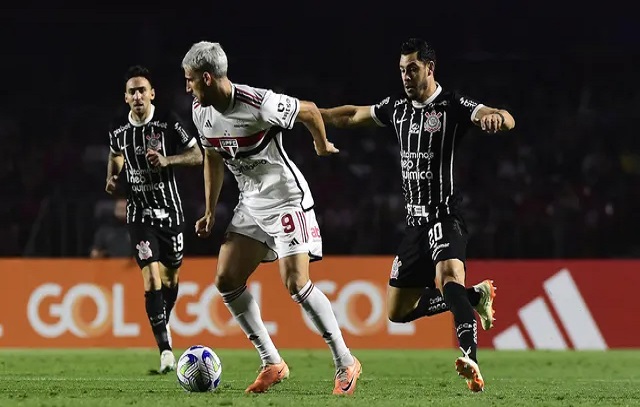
x=114 y=166
x=189 y=157
x=310 y=116
x=348 y=116
x=493 y=120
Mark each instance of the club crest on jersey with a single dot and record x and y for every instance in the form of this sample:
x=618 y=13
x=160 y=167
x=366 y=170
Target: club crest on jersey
x=432 y=122
x=395 y=268
x=144 y=250
x=230 y=145
x=153 y=141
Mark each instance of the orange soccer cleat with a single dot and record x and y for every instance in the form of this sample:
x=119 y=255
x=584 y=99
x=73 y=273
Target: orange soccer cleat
x=347 y=377
x=268 y=376
x=470 y=370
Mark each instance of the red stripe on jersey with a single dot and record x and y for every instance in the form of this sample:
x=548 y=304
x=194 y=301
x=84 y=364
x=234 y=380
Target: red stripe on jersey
x=246 y=100
x=249 y=95
x=245 y=141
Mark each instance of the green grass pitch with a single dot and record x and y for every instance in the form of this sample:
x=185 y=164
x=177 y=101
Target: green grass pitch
x=389 y=378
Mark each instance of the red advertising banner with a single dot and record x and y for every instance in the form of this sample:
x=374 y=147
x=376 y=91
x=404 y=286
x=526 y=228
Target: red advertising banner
x=100 y=303
x=562 y=304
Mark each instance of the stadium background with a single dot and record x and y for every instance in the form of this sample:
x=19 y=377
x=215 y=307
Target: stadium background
x=553 y=202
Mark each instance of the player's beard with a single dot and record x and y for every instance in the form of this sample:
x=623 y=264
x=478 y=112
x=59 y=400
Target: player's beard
x=418 y=91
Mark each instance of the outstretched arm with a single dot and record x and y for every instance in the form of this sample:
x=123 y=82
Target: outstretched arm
x=493 y=120
x=348 y=116
x=310 y=116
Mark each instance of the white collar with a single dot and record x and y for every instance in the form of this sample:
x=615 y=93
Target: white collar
x=136 y=123
x=430 y=99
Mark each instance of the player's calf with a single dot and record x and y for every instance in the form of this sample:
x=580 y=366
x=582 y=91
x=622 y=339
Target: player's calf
x=408 y=304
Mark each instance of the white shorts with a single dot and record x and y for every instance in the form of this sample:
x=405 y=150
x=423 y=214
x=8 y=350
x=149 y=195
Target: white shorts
x=286 y=231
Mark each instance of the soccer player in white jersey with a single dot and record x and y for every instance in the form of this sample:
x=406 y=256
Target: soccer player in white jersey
x=241 y=127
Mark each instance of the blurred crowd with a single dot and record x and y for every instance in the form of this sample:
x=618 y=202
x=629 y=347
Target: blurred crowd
x=563 y=184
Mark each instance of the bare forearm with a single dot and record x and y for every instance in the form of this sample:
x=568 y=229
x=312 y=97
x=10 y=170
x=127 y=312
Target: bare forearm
x=339 y=116
x=189 y=157
x=315 y=125
x=114 y=164
x=213 y=178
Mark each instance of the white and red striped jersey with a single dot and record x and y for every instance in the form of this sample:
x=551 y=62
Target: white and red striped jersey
x=248 y=135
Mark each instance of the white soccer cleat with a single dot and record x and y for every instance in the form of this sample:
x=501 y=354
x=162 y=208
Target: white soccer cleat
x=469 y=369
x=167 y=362
x=485 y=307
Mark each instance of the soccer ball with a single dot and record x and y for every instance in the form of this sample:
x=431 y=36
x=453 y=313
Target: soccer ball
x=199 y=369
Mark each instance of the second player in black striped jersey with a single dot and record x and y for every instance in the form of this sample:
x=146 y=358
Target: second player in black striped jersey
x=428 y=133
x=428 y=273
x=147 y=143
x=149 y=187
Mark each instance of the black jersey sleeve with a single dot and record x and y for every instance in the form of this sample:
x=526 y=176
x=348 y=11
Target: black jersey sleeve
x=464 y=107
x=114 y=146
x=183 y=137
x=382 y=112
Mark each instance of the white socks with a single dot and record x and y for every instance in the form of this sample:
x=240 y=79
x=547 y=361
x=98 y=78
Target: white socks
x=316 y=305
x=318 y=308
x=245 y=310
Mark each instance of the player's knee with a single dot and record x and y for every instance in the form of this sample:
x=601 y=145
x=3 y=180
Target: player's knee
x=295 y=282
x=151 y=282
x=170 y=277
x=451 y=270
x=227 y=282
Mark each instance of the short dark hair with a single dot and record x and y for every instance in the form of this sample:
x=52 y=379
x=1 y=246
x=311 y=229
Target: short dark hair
x=138 y=71
x=425 y=52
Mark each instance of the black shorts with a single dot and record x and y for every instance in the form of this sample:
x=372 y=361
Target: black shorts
x=153 y=243
x=423 y=247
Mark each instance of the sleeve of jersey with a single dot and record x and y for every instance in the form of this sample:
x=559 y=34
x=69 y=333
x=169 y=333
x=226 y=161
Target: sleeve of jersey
x=113 y=144
x=186 y=140
x=382 y=112
x=279 y=110
x=196 y=114
x=466 y=107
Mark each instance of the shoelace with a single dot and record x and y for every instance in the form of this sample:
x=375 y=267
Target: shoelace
x=342 y=375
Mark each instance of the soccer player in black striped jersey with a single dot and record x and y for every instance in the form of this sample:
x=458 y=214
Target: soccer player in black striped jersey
x=148 y=142
x=429 y=122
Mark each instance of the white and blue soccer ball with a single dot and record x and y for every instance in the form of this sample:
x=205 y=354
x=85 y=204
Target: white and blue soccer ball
x=199 y=369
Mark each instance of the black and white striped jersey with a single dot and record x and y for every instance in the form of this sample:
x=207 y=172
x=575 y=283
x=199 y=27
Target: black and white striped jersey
x=429 y=134
x=152 y=192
